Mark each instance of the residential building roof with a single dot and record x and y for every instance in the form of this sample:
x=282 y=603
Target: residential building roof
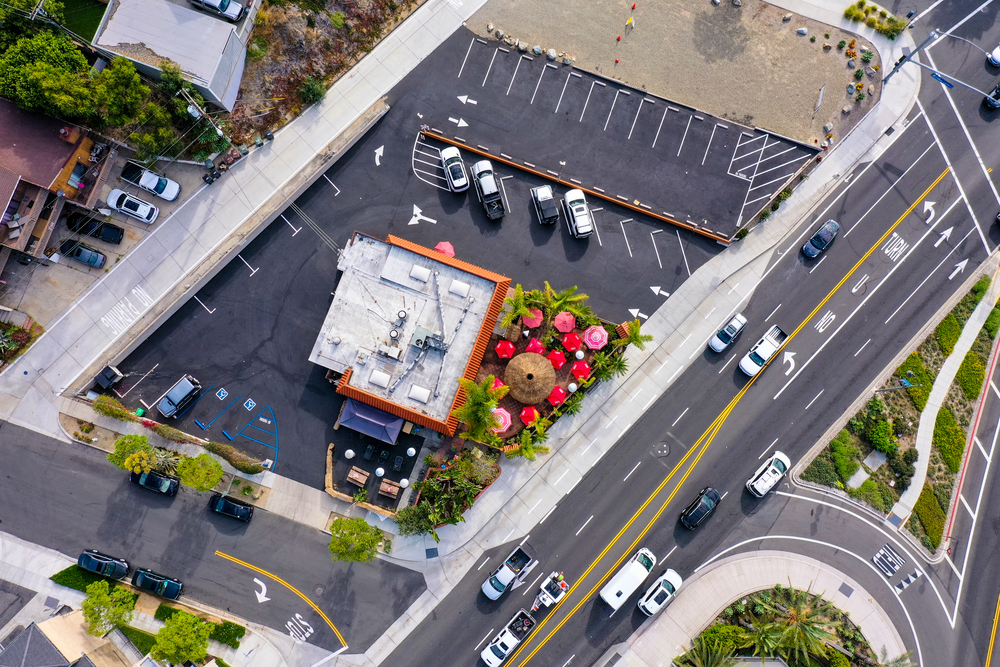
x=35 y=147
x=405 y=323
x=32 y=648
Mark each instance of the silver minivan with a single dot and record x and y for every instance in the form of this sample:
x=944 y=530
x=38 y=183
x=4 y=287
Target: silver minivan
x=628 y=579
x=179 y=397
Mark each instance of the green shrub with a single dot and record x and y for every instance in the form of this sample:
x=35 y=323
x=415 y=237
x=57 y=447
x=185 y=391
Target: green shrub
x=142 y=640
x=222 y=663
x=876 y=494
x=881 y=437
x=920 y=377
x=993 y=322
x=170 y=433
x=844 y=455
x=971 y=375
x=949 y=439
x=727 y=638
x=764 y=215
x=969 y=302
x=930 y=514
x=236 y=458
x=948 y=333
x=228 y=633
x=110 y=407
x=164 y=612
x=312 y=90
x=821 y=471
x=741 y=234
x=337 y=20
x=126 y=446
x=76 y=578
x=911 y=456
x=838 y=659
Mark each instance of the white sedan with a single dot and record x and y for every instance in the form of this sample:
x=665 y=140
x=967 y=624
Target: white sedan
x=133 y=206
x=454 y=169
x=660 y=593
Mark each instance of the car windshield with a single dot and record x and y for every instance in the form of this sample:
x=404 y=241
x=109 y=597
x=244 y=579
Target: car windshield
x=725 y=336
x=121 y=200
x=576 y=202
x=668 y=587
x=645 y=561
x=707 y=502
x=495 y=583
x=161 y=184
x=223 y=5
x=780 y=465
x=754 y=357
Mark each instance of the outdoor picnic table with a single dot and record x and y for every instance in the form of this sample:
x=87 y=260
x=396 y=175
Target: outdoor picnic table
x=389 y=488
x=358 y=476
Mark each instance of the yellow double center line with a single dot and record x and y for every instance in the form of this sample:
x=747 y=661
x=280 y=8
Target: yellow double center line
x=700 y=447
x=289 y=587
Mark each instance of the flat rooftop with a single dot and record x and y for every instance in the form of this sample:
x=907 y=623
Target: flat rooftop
x=405 y=323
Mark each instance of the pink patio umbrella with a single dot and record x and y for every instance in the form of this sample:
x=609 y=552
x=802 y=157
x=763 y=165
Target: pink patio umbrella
x=534 y=320
x=596 y=337
x=564 y=322
x=445 y=248
x=557 y=358
x=557 y=396
x=571 y=342
x=503 y=416
x=497 y=383
x=529 y=414
x=505 y=349
x=580 y=370
x=535 y=345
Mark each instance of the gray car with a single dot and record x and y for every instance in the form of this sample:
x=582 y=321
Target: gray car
x=179 y=397
x=727 y=334
x=82 y=252
x=821 y=240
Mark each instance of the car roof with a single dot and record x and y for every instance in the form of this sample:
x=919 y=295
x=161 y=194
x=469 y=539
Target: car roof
x=450 y=151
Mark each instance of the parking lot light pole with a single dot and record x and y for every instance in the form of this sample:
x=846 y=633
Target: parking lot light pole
x=562 y=165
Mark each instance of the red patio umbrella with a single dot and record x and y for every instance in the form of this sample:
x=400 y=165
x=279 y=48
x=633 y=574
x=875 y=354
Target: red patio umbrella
x=497 y=383
x=580 y=370
x=557 y=358
x=445 y=248
x=571 y=342
x=557 y=396
x=533 y=320
x=505 y=349
x=535 y=345
x=503 y=416
x=564 y=322
x=529 y=414
x=596 y=337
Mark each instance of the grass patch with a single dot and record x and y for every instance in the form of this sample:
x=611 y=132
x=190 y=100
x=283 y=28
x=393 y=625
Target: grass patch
x=877 y=494
x=949 y=439
x=84 y=16
x=76 y=578
x=963 y=311
x=921 y=376
x=821 y=470
x=930 y=514
x=947 y=333
x=142 y=640
x=971 y=375
x=165 y=612
x=844 y=455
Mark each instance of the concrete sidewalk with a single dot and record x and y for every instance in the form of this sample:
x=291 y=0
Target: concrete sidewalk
x=710 y=590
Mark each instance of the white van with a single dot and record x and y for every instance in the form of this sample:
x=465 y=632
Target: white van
x=628 y=579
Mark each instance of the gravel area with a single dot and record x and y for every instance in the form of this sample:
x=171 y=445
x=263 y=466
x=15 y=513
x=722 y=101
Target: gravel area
x=742 y=63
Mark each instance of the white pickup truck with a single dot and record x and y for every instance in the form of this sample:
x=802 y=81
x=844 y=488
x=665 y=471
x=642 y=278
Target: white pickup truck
x=762 y=351
x=504 y=643
x=504 y=576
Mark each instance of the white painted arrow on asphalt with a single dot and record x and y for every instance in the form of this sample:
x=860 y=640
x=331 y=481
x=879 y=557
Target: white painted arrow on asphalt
x=656 y=290
x=262 y=593
x=944 y=235
x=418 y=216
x=929 y=206
x=959 y=268
x=790 y=360
x=635 y=313
x=459 y=121
x=464 y=99
x=378 y=155
x=861 y=283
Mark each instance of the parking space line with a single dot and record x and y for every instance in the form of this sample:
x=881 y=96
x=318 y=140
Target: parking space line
x=784 y=164
x=490 y=68
x=685 y=136
x=252 y=270
x=683 y=254
x=660 y=127
x=613 y=102
x=644 y=100
x=779 y=153
x=709 y=146
x=653 y=239
x=540 y=82
x=780 y=179
x=467 y=52
x=593 y=219
x=627 y=244
x=592 y=84
x=143 y=378
x=753 y=201
x=204 y=306
x=331 y=183
x=294 y=231
x=565 y=83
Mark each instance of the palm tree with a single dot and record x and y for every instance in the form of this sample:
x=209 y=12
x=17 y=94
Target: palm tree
x=540 y=423
x=633 y=336
x=803 y=623
x=898 y=661
x=477 y=410
x=764 y=640
x=516 y=306
x=555 y=302
x=606 y=365
x=707 y=655
x=528 y=447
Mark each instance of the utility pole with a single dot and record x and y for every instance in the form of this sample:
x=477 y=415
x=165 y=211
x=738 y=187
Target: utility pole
x=36 y=10
x=909 y=56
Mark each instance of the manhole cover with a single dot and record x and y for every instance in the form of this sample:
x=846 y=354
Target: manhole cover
x=319 y=590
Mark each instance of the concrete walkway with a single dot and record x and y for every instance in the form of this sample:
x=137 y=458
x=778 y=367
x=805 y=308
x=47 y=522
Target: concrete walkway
x=710 y=590
x=942 y=383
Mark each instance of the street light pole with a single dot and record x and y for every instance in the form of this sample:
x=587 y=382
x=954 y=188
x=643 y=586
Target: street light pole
x=934 y=35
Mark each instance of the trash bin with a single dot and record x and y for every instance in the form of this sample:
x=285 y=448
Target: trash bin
x=140 y=412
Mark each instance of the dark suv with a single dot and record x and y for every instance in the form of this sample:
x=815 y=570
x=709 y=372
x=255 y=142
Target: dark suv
x=157 y=584
x=179 y=397
x=231 y=507
x=102 y=564
x=82 y=223
x=156 y=481
x=695 y=513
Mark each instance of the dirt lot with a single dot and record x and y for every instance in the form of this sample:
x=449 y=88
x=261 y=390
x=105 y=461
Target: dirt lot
x=743 y=63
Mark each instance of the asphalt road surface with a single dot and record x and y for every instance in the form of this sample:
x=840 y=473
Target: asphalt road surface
x=69 y=498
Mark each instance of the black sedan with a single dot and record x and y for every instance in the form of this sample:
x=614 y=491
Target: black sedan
x=821 y=240
x=696 y=513
x=156 y=481
x=231 y=507
x=82 y=223
x=157 y=584
x=102 y=564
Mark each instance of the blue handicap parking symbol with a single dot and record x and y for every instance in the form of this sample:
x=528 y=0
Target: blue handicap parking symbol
x=249 y=405
x=222 y=393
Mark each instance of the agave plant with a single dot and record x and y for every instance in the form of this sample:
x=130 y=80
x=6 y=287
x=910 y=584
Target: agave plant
x=165 y=460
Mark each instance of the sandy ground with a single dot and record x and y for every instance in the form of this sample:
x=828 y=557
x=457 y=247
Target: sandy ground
x=742 y=63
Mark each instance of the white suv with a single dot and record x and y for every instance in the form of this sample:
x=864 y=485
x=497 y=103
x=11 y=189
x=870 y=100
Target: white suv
x=454 y=169
x=768 y=475
x=578 y=214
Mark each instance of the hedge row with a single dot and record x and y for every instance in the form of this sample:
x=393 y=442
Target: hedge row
x=236 y=458
x=949 y=439
x=226 y=632
x=963 y=311
x=948 y=333
x=993 y=322
x=971 y=375
x=918 y=394
x=930 y=514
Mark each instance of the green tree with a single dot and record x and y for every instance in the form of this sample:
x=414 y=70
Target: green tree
x=354 y=540
x=527 y=446
x=518 y=305
x=633 y=336
x=803 y=620
x=184 y=637
x=119 y=93
x=56 y=91
x=477 y=410
x=556 y=302
x=764 y=640
x=415 y=520
x=126 y=446
x=201 y=473
x=705 y=654
x=107 y=607
x=21 y=62
x=16 y=21
x=154 y=135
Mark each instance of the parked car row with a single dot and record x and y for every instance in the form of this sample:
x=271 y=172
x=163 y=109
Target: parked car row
x=112 y=567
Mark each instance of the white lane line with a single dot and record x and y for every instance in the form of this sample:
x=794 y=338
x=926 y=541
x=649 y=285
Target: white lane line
x=684 y=137
x=814 y=399
x=723 y=496
x=681 y=415
x=565 y=83
x=709 y=146
x=560 y=477
x=769 y=447
x=627 y=244
x=772 y=312
x=608 y=425
x=709 y=313
x=649 y=402
x=507 y=536
x=534 y=506
x=531 y=586
x=632 y=471
x=653 y=239
x=667 y=556
x=660 y=127
x=483 y=563
x=982 y=449
x=592 y=84
x=995 y=390
x=817 y=264
x=891 y=188
x=469 y=50
x=726 y=364
x=683 y=254
x=966 y=504
x=613 y=103
x=584 y=525
x=547 y=514
x=862 y=347
x=484 y=639
x=569 y=661
x=637 y=116
x=490 y=68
